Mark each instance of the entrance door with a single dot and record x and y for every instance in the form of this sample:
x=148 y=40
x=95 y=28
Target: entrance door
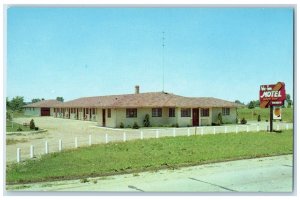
x=45 y=111
x=103 y=117
x=195 y=116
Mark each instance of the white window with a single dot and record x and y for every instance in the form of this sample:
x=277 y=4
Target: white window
x=185 y=112
x=225 y=111
x=156 y=112
x=131 y=112
x=204 y=112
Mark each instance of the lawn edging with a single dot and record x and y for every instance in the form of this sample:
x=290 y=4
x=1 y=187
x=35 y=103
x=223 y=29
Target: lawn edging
x=26 y=132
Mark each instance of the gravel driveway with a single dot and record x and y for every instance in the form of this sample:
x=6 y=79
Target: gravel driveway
x=66 y=130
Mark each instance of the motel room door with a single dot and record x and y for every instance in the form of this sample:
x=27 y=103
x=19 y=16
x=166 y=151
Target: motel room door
x=45 y=111
x=195 y=117
x=103 y=117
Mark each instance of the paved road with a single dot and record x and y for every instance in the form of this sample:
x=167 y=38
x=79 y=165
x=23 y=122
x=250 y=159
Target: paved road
x=270 y=174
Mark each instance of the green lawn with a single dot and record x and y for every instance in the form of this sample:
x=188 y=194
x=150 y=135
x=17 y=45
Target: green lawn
x=251 y=114
x=150 y=154
x=12 y=127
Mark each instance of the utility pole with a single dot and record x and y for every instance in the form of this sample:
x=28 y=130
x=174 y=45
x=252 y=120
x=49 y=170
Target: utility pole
x=163 y=59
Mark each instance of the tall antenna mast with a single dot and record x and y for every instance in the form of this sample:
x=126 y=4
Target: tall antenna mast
x=163 y=59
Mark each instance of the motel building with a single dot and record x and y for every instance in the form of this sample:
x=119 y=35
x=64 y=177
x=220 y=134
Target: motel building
x=164 y=109
x=41 y=108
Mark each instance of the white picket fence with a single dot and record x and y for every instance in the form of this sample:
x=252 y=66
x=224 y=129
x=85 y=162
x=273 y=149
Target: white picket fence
x=123 y=135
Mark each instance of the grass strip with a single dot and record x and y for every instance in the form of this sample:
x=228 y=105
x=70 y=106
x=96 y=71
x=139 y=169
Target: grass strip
x=252 y=114
x=150 y=154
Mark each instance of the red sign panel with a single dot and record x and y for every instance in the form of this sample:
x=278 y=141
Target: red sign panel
x=272 y=95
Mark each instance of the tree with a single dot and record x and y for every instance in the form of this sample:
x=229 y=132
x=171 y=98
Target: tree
x=220 y=120
x=35 y=100
x=146 y=121
x=8 y=116
x=239 y=102
x=17 y=103
x=251 y=105
x=7 y=103
x=60 y=99
x=289 y=101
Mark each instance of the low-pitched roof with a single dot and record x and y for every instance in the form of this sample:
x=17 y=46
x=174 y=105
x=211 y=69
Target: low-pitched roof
x=51 y=103
x=150 y=99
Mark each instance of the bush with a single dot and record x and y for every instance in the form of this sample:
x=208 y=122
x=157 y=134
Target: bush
x=31 y=124
x=220 y=120
x=243 y=121
x=84 y=180
x=36 y=128
x=121 y=125
x=237 y=120
x=146 y=121
x=19 y=129
x=215 y=124
x=258 y=118
x=128 y=126
x=135 y=126
x=175 y=125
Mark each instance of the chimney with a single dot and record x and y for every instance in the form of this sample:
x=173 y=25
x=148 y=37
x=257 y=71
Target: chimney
x=137 y=89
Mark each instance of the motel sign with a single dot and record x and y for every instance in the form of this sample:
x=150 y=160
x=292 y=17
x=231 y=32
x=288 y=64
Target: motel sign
x=272 y=95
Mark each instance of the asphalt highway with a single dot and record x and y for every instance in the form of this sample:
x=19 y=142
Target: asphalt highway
x=269 y=174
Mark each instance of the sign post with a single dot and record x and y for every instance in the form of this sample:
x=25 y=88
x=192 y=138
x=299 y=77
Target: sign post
x=271 y=118
x=272 y=95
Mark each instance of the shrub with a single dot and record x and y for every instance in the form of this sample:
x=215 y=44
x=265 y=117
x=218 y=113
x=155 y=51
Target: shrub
x=121 y=125
x=237 y=120
x=128 y=126
x=243 y=121
x=19 y=129
x=220 y=120
x=36 y=128
x=31 y=124
x=84 y=180
x=146 y=121
x=258 y=118
x=215 y=124
x=135 y=126
x=175 y=125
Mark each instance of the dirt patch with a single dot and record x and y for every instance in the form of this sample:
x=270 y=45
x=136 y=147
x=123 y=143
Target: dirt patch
x=14 y=141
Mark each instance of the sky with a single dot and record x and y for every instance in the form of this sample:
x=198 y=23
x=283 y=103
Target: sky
x=225 y=53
